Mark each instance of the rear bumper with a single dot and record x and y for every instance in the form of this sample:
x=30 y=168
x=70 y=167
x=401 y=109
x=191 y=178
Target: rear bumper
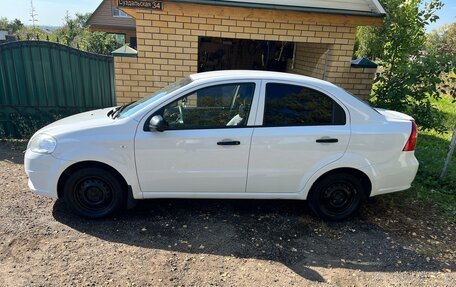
x=395 y=176
x=43 y=171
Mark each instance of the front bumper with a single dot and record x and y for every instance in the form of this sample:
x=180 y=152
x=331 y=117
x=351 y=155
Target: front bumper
x=43 y=171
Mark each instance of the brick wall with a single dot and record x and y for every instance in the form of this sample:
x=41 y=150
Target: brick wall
x=168 y=43
x=331 y=63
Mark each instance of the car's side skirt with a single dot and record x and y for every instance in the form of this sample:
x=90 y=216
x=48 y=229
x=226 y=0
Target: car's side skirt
x=216 y=195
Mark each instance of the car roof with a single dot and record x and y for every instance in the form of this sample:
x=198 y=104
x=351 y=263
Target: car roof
x=258 y=75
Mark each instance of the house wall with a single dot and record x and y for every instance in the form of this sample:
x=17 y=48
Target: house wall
x=102 y=17
x=168 y=43
x=332 y=63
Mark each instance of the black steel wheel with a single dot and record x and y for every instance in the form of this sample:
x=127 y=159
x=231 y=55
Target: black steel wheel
x=94 y=193
x=336 y=197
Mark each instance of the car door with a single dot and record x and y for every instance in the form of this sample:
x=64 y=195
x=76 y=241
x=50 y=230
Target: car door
x=300 y=130
x=206 y=144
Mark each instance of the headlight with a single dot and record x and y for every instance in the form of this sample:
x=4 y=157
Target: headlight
x=42 y=143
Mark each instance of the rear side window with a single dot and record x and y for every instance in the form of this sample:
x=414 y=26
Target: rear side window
x=291 y=105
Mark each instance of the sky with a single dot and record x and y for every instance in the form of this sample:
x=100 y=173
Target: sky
x=52 y=12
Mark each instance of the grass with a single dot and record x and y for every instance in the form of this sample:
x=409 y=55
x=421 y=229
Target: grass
x=431 y=152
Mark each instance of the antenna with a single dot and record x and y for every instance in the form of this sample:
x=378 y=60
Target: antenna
x=33 y=15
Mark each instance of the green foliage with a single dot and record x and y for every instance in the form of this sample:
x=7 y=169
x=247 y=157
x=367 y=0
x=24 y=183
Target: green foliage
x=410 y=75
x=74 y=32
x=443 y=40
x=11 y=26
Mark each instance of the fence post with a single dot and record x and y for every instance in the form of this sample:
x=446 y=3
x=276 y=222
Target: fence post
x=450 y=154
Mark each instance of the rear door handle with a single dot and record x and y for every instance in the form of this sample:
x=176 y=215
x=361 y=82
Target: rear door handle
x=327 y=141
x=229 y=143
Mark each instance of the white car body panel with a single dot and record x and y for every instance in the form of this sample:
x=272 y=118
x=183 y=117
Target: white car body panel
x=270 y=163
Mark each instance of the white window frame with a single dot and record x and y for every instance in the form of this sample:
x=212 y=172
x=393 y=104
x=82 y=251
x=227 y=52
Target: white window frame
x=122 y=14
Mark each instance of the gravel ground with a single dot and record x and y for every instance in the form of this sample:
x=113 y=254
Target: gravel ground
x=215 y=243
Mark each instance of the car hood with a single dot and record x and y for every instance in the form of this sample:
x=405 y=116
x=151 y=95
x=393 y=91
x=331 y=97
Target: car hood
x=82 y=121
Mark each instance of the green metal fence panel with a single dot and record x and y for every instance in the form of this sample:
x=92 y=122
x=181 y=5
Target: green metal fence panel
x=41 y=82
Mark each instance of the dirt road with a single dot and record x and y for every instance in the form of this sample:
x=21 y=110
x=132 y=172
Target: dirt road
x=215 y=243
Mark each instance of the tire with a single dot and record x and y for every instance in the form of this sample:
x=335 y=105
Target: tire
x=94 y=193
x=336 y=197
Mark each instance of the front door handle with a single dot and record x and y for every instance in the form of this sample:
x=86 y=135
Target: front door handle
x=229 y=143
x=327 y=140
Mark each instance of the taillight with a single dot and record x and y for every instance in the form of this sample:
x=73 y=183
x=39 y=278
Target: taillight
x=411 y=143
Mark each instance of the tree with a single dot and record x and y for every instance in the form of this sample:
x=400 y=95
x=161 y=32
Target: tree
x=443 y=39
x=409 y=74
x=75 y=33
x=12 y=27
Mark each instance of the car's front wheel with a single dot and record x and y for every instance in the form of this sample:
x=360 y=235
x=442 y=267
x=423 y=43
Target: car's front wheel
x=336 y=197
x=94 y=193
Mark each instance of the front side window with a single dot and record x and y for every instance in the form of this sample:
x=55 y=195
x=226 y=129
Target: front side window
x=292 y=105
x=218 y=106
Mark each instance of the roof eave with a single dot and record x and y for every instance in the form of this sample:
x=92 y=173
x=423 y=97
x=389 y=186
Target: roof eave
x=290 y=8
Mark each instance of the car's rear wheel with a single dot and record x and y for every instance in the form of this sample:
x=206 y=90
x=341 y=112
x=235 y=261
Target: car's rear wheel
x=94 y=193
x=336 y=197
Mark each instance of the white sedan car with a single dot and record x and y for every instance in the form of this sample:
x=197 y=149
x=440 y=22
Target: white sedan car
x=227 y=134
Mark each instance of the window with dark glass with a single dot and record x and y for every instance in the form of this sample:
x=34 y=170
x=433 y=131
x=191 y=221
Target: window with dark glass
x=291 y=105
x=212 y=107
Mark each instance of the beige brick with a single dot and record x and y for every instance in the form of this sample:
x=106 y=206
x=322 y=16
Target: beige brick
x=265 y=31
x=242 y=36
x=221 y=28
x=236 y=29
x=152 y=42
x=287 y=26
x=168 y=18
x=228 y=35
x=168 y=30
x=183 y=19
x=343 y=29
x=144 y=35
x=214 y=21
x=322 y=34
x=160 y=48
x=308 y=33
x=198 y=20
x=160 y=36
x=138 y=78
x=150 y=17
x=213 y=34
x=175 y=50
x=271 y=37
x=198 y=33
x=244 y=23
x=191 y=26
x=177 y=25
x=272 y=25
x=206 y=27
x=168 y=43
x=259 y=24
x=175 y=37
x=183 y=32
x=143 y=23
x=229 y=22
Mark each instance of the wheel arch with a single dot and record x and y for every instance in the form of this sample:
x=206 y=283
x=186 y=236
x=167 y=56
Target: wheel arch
x=85 y=164
x=365 y=180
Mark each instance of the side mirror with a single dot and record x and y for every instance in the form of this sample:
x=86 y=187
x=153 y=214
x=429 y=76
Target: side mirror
x=157 y=123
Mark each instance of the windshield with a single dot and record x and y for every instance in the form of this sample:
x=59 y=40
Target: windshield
x=136 y=106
